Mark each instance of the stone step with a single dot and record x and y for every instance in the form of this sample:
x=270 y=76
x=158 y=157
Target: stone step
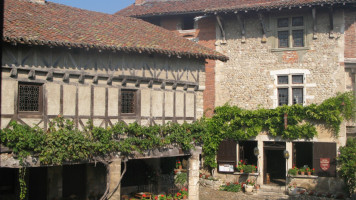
x=273 y=188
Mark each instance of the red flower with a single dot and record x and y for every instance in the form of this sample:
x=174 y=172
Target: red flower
x=313 y=169
x=156 y=197
x=256 y=167
x=144 y=195
x=162 y=195
x=178 y=194
x=178 y=161
x=240 y=160
x=186 y=189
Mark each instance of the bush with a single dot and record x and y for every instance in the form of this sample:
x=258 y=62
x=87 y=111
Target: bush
x=231 y=187
x=347 y=161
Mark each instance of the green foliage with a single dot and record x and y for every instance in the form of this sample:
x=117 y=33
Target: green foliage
x=293 y=171
x=347 y=161
x=231 y=187
x=231 y=122
x=63 y=142
x=249 y=168
x=181 y=178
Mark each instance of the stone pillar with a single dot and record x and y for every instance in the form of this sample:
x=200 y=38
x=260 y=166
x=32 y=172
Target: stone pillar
x=193 y=177
x=260 y=160
x=114 y=176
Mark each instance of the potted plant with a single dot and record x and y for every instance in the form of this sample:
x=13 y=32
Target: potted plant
x=309 y=171
x=184 y=192
x=249 y=168
x=249 y=185
x=293 y=171
x=178 y=164
x=302 y=171
x=161 y=197
x=240 y=167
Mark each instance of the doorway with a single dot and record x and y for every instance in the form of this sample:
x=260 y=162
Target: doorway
x=274 y=163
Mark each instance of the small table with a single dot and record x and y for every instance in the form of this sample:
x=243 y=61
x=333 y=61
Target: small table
x=143 y=195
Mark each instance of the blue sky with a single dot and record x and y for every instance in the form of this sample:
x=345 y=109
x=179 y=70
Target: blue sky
x=105 y=6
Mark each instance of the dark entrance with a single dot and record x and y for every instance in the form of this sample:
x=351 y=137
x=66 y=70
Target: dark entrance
x=74 y=181
x=37 y=183
x=274 y=163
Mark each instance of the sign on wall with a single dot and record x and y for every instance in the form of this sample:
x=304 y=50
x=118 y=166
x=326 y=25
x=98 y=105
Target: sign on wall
x=226 y=168
x=324 y=163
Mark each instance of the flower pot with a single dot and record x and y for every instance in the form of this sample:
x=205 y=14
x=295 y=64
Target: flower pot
x=185 y=197
x=302 y=173
x=241 y=171
x=309 y=173
x=248 y=188
x=180 y=167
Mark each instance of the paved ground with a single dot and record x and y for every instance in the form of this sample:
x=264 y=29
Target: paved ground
x=210 y=194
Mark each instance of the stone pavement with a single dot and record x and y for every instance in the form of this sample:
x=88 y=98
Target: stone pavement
x=211 y=194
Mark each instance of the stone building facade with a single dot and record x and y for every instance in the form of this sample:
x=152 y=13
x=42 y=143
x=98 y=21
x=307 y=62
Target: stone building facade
x=280 y=53
x=50 y=67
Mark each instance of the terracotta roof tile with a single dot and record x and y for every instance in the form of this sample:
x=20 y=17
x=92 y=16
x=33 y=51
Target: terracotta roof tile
x=59 y=25
x=167 y=7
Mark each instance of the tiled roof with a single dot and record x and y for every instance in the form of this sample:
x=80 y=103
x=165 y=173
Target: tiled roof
x=58 y=25
x=167 y=7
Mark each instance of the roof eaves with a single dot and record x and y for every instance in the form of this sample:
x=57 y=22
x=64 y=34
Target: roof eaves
x=244 y=8
x=112 y=48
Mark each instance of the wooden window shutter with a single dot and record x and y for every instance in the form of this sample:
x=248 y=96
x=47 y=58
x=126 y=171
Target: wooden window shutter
x=324 y=150
x=227 y=152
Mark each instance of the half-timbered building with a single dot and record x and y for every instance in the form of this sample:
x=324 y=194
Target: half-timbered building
x=83 y=65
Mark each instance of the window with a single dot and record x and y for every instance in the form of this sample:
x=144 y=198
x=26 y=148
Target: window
x=290 y=89
x=30 y=98
x=188 y=23
x=310 y=154
x=246 y=152
x=128 y=101
x=290 y=32
x=226 y=156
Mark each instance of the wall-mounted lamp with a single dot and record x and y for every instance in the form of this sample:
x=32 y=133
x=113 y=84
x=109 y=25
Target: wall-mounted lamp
x=286 y=154
x=256 y=151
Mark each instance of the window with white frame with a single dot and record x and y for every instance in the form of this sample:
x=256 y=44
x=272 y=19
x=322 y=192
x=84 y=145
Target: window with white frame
x=290 y=89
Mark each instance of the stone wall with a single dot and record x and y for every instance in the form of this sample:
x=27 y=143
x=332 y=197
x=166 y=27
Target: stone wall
x=350 y=33
x=247 y=78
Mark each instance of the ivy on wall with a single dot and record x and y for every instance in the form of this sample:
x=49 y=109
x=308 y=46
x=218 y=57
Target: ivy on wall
x=63 y=142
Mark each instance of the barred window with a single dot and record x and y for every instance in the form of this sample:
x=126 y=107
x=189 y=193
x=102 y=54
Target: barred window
x=128 y=101
x=29 y=98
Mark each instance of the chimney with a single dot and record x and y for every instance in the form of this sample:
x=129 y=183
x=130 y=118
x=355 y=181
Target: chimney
x=39 y=1
x=139 y=2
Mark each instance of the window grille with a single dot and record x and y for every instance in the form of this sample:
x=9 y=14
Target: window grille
x=128 y=101
x=29 y=97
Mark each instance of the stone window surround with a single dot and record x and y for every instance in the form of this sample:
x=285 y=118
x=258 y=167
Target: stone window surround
x=290 y=72
x=306 y=24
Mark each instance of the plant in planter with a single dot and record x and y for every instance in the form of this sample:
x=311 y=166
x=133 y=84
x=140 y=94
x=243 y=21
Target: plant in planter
x=178 y=164
x=293 y=171
x=161 y=197
x=249 y=185
x=302 y=171
x=249 y=168
x=240 y=166
x=309 y=171
x=184 y=192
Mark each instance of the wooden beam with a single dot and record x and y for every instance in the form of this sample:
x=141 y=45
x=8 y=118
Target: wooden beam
x=13 y=72
x=66 y=77
x=218 y=19
x=49 y=75
x=263 y=26
x=314 y=22
x=32 y=74
x=81 y=78
x=331 y=20
x=241 y=20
